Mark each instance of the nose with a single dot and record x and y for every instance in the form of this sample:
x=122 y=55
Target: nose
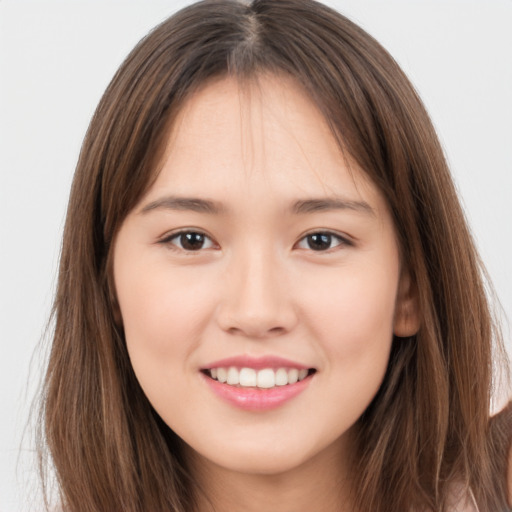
x=256 y=300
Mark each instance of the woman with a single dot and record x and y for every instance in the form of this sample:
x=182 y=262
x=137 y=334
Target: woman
x=268 y=296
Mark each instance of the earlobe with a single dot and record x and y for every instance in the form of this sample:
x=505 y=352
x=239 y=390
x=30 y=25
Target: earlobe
x=407 y=311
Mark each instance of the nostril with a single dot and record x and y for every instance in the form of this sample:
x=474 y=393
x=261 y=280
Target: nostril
x=256 y=332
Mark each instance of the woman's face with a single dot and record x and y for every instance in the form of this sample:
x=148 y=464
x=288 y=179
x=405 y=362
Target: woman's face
x=262 y=256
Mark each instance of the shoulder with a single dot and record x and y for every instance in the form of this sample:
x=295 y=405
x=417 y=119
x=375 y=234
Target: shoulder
x=461 y=498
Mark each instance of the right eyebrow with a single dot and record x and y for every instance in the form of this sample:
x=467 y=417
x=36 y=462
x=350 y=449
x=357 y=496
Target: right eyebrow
x=184 y=204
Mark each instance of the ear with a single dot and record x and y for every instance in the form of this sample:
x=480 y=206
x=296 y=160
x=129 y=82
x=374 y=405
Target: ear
x=407 y=311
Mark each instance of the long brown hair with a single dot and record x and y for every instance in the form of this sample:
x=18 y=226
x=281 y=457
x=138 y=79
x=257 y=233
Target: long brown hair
x=429 y=425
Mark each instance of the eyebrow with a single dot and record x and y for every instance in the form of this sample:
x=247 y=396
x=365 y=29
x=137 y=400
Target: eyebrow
x=316 y=205
x=302 y=206
x=185 y=204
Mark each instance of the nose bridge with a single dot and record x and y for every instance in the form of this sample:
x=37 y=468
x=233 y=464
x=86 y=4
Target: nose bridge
x=256 y=301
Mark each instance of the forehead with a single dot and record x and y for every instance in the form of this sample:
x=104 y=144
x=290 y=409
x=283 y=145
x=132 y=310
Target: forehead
x=263 y=134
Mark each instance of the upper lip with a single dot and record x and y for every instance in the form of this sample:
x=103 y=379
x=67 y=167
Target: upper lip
x=258 y=363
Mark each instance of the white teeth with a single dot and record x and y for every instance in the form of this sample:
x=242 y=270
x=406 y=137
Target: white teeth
x=233 y=377
x=248 y=377
x=293 y=376
x=222 y=374
x=281 y=377
x=266 y=378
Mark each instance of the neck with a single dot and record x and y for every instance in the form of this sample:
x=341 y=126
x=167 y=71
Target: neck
x=321 y=483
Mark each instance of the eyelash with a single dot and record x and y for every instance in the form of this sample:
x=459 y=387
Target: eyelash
x=168 y=240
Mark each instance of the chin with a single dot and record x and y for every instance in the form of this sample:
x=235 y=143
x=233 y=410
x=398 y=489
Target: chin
x=272 y=457
x=261 y=463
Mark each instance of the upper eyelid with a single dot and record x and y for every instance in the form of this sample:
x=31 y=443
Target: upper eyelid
x=173 y=234
x=341 y=236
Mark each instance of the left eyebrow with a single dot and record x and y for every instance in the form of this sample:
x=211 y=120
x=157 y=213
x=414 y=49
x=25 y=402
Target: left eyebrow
x=316 y=205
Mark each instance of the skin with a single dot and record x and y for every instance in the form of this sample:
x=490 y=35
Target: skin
x=256 y=287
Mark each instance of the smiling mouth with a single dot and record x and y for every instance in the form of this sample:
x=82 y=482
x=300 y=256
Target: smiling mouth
x=266 y=378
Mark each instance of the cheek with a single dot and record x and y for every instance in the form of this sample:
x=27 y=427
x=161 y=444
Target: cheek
x=163 y=312
x=352 y=317
x=354 y=301
x=353 y=326
x=163 y=315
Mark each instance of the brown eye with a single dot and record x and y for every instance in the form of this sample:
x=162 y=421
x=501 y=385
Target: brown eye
x=192 y=241
x=189 y=241
x=321 y=241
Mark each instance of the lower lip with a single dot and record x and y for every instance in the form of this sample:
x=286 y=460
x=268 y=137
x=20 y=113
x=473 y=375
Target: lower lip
x=257 y=399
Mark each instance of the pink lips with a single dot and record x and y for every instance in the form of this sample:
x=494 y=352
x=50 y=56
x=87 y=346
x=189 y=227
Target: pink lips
x=252 y=398
x=256 y=362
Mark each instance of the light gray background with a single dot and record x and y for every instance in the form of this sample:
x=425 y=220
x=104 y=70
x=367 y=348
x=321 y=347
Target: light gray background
x=56 y=58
